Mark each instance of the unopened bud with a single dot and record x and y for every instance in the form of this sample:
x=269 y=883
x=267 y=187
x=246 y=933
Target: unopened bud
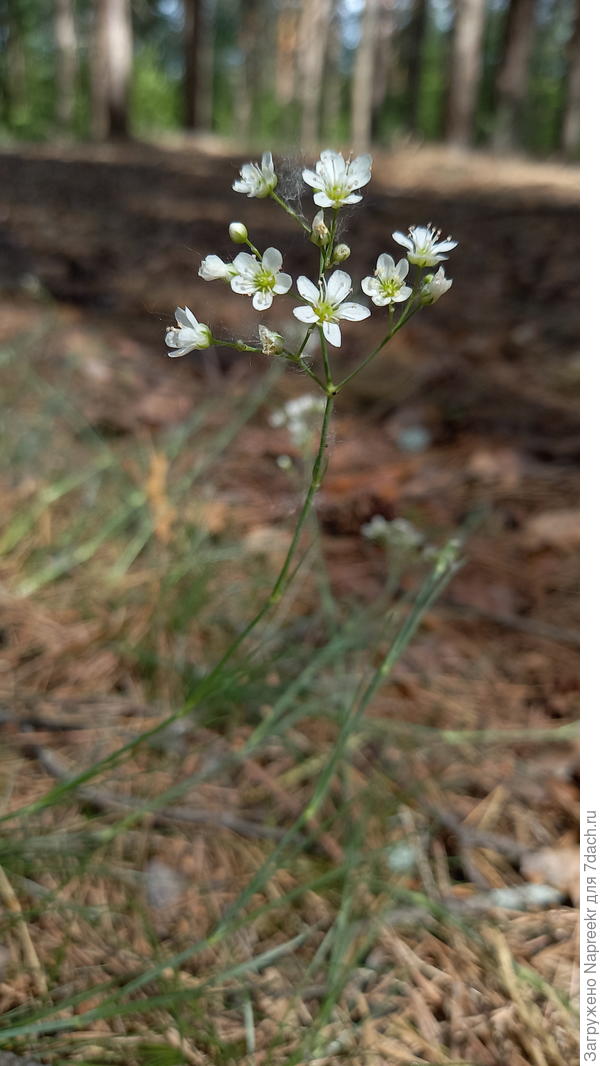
x=238 y=232
x=341 y=252
x=272 y=343
x=320 y=232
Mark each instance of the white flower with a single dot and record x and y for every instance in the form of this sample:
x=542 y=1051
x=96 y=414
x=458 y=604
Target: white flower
x=188 y=334
x=336 y=178
x=423 y=245
x=386 y=287
x=214 y=269
x=272 y=343
x=434 y=286
x=260 y=278
x=257 y=180
x=326 y=305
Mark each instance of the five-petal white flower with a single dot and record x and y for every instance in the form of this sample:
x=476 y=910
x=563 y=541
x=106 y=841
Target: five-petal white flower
x=213 y=268
x=336 y=179
x=257 y=180
x=424 y=246
x=260 y=278
x=326 y=305
x=387 y=286
x=434 y=286
x=188 y=334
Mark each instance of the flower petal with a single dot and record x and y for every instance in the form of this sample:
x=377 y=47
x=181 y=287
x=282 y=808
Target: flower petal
x=322 y=200
x=184 y=317
x=402 y=239
x=181 y=351
x=307 y=290
x=370 y=286
x=386 y=267
x=272 y=260
x=305 y=314
x=262 y=300
x=359 y=171
x=244 y=286
x=402 y=294
x=312 y=179
x=283 y=283
x=246 y=263
x=445 y=246
x=338 y=286
x=354 y=312
x=332 y=333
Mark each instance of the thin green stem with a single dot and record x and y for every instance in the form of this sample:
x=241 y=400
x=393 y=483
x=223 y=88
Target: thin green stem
x=290 y=211
x=409 y=312
x=325 y=354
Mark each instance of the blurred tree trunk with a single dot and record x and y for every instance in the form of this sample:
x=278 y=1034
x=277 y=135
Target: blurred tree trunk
x=111 y=67
x=467 y=40
x=385 y=46
x=66 y=62
x=14 y=68
x=198 y=40
x=569 y=134
x=415 y=39
x=332 y=87
x=287 y=52
x=314 y=25
x=248 y=28
x=364 y=71
x=511 y=83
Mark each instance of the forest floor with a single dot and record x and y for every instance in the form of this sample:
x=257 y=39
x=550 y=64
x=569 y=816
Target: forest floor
x=430 y=917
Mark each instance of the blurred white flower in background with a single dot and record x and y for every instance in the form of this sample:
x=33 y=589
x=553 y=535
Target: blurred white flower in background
x=301 y=417
x=188 y=334
x=326 y=305
x=336 y=179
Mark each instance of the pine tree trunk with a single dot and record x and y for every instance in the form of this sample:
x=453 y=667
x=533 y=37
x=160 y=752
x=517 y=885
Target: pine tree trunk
x=314 y=27
x=465 y=71
x=332 y=82
x=66 y=62
x=245 y=83
x=511 y=83
x=362 y=86
x=287 y=52
x=112 y=62
x=569 y=134
x=199 y=64
x=414 y=65
x=384 y=54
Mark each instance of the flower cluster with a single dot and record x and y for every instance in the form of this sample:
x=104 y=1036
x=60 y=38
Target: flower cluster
x=334 y=183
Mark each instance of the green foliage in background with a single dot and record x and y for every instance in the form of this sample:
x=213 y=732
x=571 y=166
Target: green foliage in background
x=28 y=74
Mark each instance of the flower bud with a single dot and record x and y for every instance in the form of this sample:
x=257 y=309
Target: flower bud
x=238 y=232
x=341 y=252
x=320 y=232
x=272 y=343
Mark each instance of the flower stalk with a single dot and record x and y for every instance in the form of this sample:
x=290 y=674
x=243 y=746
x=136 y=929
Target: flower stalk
x=335 y=183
